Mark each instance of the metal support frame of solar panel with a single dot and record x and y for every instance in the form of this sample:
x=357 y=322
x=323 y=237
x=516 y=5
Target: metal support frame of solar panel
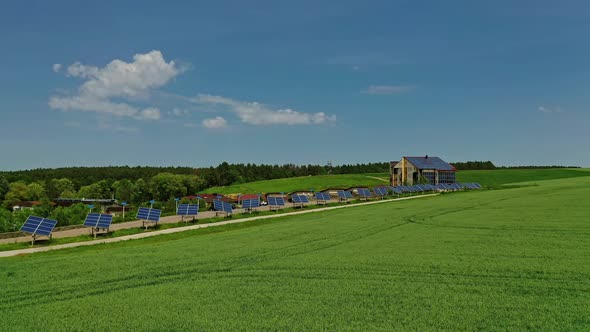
x=275 y=203
x=98 y=222
x=322 y=198
x=187 y=210
x=38 y=226
x=251 y=204
x=299 y=200
x=146 y=215
x=223 y=207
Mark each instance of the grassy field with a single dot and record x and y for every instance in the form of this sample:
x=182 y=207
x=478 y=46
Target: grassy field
x=501 y=259
x=492 y=178
x=301 y=183
x=507 y=176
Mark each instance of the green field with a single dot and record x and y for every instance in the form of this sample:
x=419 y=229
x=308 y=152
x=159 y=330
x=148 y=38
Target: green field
x=500 y=259
x=506 y=176
x=492 y=178
x=302 y=183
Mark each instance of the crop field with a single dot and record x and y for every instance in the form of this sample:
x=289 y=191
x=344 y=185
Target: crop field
x=493 y=178
x=507 y=176
x=303 y=183
x=499 y=259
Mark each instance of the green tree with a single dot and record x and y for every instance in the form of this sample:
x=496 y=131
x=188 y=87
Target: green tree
x=167 y=185
x=140 y=191
x=100 y=189
x=58 y=187
x=123 y=190
x=72 y=215
x=193 y=183
x=4 y=187
x=18 y=191
x=6 y=221
x=36 y=191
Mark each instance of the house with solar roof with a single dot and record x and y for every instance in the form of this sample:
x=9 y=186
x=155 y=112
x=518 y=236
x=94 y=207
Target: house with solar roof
x=413 y=170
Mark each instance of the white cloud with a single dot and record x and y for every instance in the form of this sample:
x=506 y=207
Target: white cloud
x=216 y=123
x=56 y=67
x=544 y=109
x=257 y=114
x=389 y=89
x=129 y=81
x=150 y=113
x=179 y=112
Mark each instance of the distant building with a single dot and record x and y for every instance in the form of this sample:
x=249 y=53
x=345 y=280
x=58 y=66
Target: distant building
x=413 y=170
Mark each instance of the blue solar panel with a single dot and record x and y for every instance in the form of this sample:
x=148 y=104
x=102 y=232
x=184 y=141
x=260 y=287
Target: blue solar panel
x=222 y=206
x=38 y=226
x=251 y=203
x=396 y=190
x=149 y=214
x=276 y=201
x=322 y=196
x=187 y=209
x=363 y=192
x=98 y=220
x=344 y=194
x=300 y=199
x=381 y=191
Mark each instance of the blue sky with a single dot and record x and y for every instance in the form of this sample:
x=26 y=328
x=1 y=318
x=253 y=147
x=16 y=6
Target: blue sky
x=194 y=84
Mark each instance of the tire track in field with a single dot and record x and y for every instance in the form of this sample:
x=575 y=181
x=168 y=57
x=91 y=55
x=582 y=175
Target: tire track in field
x=173 y=274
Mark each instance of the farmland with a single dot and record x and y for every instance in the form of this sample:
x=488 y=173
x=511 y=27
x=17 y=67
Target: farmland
x=499 y=259
x=304 y=183
x=492 y=178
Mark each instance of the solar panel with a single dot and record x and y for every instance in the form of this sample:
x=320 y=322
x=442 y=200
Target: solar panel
x=363 y=192
x=344 y=194
x=221 y=206
x=187 y=210
x=417 y=188
x=149 y=214
x=477 y=185
x=299 y=199
x=98 y=220
x=251 y=203
x=322 y=196
x=276 y=201
x=381 y=191
x=38 y=226
x=396 y=190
